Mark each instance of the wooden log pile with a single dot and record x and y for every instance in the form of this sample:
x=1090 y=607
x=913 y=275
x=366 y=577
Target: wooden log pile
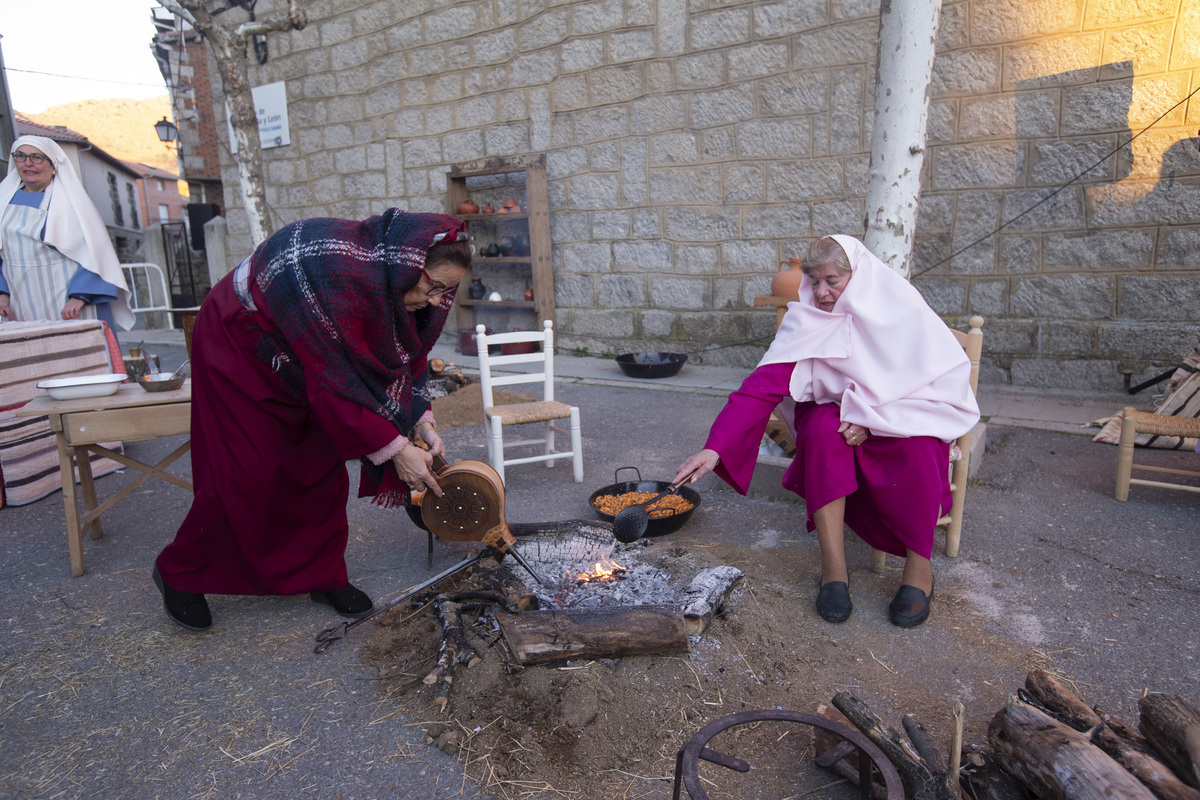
x=1057 y=746
x=1045 y=743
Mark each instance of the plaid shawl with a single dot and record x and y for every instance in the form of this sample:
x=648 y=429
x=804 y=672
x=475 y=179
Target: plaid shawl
x=334 y=290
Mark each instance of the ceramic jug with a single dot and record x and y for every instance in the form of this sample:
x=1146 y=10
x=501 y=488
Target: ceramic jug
x=468 y=206
x=786 y=282
x=477 y=290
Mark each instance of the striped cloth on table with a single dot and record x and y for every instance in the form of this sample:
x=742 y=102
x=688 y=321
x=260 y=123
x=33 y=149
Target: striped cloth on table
x=36 y=351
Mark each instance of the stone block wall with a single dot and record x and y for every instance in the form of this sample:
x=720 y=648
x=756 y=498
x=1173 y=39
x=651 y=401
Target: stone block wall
x=693 y=144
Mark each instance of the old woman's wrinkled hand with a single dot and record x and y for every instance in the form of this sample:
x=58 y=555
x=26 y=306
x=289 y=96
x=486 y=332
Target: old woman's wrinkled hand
x=429 y=435
x=413 y=466
x=697 y=465
x=853 y=434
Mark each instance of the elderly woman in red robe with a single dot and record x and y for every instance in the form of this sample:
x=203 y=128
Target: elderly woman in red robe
x=880 y=387
x=310 y=353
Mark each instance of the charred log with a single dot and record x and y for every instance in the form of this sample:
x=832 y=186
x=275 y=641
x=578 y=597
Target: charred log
x=925 y=781
x=538 y=637
x=707 y=592
x=455 y=648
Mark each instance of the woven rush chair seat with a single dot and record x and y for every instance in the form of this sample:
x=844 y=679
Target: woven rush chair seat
x=1135 y=422
x=524 y=413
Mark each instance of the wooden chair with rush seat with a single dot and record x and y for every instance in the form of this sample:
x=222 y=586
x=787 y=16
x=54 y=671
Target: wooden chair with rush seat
x=546 y=411
x=1135 y=422
x=972 y=343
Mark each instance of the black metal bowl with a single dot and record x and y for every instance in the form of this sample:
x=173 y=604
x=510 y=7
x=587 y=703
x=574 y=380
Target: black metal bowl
x=657 y=526
x=651 y=365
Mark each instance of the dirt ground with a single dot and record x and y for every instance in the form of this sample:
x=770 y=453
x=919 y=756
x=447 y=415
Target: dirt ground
x=611 y=728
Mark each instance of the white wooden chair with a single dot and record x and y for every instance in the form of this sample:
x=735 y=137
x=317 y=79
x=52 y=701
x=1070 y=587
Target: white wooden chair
x=972 y=342
x=545 y=411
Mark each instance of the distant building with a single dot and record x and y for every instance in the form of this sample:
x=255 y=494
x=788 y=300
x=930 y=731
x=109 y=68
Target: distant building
x=160 y=197
x=111 y=184
x=183 y=60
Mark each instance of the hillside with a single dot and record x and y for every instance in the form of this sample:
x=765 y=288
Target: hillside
x=123 y=128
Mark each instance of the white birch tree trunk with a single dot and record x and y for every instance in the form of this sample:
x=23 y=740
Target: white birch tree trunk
x=907 y=44
x=229 y=49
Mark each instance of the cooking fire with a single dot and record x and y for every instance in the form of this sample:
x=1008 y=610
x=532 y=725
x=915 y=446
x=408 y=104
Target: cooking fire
x=605 y=570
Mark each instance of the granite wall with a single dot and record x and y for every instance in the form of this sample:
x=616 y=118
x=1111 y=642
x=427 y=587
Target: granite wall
x=692 y=144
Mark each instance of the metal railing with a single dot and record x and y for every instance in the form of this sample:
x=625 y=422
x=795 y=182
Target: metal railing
x=142 y=280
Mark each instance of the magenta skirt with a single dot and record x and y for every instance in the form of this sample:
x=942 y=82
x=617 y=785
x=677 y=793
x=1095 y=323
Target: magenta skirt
x=895 y=488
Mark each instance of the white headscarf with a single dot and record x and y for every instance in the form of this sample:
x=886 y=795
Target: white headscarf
x=882 y=354
x=73 y=225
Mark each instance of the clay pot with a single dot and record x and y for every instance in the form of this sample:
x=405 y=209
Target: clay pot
x=477 y=290
x=487 y=208
x=529 y=293
x=786 y=282
x=510 y=207
x=468 y=206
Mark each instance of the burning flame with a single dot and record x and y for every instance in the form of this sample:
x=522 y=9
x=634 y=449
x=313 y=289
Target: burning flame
x=605 y=570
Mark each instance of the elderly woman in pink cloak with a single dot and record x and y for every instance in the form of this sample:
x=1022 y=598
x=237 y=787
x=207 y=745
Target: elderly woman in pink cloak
x=876 y=387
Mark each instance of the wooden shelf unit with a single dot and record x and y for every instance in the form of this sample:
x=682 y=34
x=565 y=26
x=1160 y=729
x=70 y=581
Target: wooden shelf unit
x=533 y=220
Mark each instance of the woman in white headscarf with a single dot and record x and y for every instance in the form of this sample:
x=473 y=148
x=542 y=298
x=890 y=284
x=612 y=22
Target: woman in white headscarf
x=880 y=388
x=56 y=260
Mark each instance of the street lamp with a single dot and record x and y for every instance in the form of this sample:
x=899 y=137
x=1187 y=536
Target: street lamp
x=166 y=130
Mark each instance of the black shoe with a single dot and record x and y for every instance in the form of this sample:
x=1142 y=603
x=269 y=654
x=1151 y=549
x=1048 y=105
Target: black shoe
x=349 y=601
x=185 y=608
x=910 y=607
x=833 y=601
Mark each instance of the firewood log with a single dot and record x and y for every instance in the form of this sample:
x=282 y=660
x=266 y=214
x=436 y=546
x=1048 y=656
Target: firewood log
x=1057 y=761
x=499 y=585
x=1106 y=732
x=1173 y=728
x=848 y=766
x=707 y=592
x=455 y=648
x=925 y=781
x=1061 y=700
x=538 y=637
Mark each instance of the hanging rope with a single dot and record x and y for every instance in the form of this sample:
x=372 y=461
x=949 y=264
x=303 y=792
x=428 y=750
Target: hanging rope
x=1106 y=157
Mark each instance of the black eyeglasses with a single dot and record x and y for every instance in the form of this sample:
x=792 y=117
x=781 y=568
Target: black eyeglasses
x=36 y=158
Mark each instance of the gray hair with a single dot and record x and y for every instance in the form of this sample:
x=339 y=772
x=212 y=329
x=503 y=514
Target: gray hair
x=826 y=252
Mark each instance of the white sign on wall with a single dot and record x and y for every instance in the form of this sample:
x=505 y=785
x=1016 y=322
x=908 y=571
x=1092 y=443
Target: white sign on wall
x=270 y=103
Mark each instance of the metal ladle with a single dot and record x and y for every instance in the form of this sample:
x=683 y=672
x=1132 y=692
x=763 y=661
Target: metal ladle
x=630 y=523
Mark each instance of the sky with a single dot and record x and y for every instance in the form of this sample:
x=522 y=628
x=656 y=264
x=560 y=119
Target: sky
x=102 y=46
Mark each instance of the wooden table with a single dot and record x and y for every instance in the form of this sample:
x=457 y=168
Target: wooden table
x=130 y=415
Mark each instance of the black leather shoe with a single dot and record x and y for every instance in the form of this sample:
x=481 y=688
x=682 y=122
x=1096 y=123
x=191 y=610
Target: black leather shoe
x=910 y=607
x=833 y=601
x=184 y=608
x=349 y=601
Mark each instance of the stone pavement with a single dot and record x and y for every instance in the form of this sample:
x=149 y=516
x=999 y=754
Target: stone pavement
x=100 y=695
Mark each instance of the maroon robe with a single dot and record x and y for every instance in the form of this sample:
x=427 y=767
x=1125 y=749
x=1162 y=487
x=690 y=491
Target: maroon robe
x=269 y=512
x=894 y=487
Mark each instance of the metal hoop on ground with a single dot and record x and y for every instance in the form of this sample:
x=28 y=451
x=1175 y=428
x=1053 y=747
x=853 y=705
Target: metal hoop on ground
x=687 y=762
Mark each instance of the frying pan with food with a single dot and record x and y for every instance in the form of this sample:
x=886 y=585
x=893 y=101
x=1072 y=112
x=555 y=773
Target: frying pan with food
x=656 y=526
